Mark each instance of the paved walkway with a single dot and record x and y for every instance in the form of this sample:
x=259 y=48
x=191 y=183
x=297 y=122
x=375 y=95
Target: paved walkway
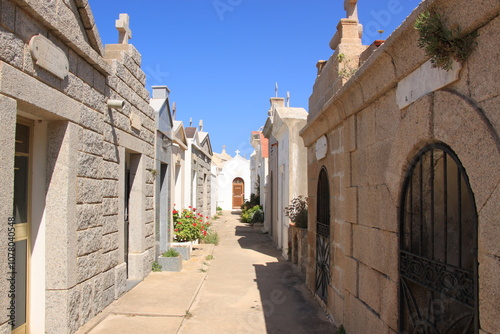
x=246 y=288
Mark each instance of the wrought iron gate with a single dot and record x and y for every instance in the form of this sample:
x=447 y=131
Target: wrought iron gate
x=438 y=255
x=323 y=236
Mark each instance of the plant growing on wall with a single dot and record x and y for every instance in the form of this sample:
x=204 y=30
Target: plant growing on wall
x=443 y=45
x=347 y=70
x=297 y=211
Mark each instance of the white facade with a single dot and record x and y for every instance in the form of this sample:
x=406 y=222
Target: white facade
x=260 y=169
x=287 y=174
x=227 y=172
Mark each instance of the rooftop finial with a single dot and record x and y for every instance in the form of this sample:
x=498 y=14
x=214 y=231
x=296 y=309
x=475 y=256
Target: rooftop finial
x=351 y=8
x=123 y=26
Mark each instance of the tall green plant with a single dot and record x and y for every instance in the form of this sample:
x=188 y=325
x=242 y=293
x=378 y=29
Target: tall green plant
x=443 y=45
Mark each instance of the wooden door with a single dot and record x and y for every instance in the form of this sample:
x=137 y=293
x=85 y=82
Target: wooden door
x=238 y=192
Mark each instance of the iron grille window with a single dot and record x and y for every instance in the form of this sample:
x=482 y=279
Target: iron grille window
x=323 y=236
x=438 y=246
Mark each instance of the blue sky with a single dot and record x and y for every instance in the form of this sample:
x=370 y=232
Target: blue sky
x=221 y=58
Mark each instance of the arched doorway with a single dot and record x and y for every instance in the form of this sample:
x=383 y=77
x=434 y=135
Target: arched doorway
x=438 y=246
x=238 y=192
x=323 y=236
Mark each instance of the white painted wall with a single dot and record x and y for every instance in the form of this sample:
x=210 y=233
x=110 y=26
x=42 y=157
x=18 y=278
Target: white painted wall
x=236 y=167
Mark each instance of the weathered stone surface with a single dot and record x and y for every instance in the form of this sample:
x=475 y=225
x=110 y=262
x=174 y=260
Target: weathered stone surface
x=91 y=119
x=120 y=279
x=85 y=71
x=366 y=239
x=109 y=260
x=110 y=170
x=26 y=27
x=489 y=294
x=11 y=48
x=489 y=228
x=7 y=14
x=489 y=107
x=87 y=301
x=380 y=294
x=89 y=265
x=376 y=208
x=110 y=242
x=458 y=124
x=108 y=296
x=110 y=224
x=107 y=279
x=89 y=240
x=5 y=328
x=109 y=206
x=88 y=215
x=89 y=165
x=89 y=190
x=360 y=319
x=110 y=152
x=109 y=188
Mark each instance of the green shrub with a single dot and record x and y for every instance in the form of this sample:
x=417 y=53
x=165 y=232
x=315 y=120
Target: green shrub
x=156 y=266
x=247 y=215
x=211 y=238
x=258 y=217
x=170 y=253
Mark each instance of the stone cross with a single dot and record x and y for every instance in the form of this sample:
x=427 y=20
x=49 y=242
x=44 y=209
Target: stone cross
x=238 y=152
x=123 y=27
x=351 y=8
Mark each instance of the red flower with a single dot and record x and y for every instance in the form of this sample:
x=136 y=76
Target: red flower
x=194 y=209
x=176 y=230
x=190 y=207
x=194 y=224
x=174 y=212
x=204 y=233
x=207 y=217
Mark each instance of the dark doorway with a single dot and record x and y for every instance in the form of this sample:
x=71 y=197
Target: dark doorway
x=438 y=246
x=323 y=236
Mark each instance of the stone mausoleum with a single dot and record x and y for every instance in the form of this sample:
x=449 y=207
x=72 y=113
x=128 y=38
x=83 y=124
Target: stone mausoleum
x=77 y=145
x=403 y=168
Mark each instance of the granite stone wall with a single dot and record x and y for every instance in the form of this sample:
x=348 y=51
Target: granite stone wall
x=371 y=142
x=87 y=147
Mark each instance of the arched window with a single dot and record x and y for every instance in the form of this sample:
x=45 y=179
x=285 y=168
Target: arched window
x=323 y=236
x=438 y=244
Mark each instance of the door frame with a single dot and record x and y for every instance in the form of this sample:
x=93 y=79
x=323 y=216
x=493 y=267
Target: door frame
x=242 y=193
x=26 y=227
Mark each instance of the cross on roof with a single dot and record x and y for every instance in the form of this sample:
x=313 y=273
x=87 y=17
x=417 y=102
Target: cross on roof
x=351 y=8
x=238 y=152
x=123 y=27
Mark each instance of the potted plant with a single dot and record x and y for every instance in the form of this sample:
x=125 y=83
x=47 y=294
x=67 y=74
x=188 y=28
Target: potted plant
x=188 y=229
x=297 y=212
x=170 y=260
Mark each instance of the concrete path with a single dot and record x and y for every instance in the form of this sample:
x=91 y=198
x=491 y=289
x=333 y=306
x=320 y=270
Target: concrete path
x=246 y=288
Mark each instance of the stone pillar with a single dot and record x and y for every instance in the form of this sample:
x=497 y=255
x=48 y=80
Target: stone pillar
x=62 y=267
x=137 y=206
x=8 y=110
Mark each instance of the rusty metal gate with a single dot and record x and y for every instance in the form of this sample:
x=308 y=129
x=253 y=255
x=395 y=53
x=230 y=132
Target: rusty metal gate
x=438 y=246
x=323 y=236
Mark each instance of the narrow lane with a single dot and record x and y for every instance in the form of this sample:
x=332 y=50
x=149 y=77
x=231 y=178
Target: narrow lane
x=250 y=288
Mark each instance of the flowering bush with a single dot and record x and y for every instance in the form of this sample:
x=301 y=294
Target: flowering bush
x=189 y=225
